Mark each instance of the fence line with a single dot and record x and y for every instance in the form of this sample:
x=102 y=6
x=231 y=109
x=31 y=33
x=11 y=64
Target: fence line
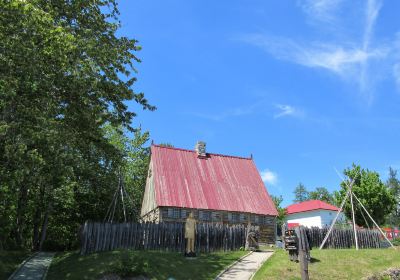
x=97 y=237
x=344 y=238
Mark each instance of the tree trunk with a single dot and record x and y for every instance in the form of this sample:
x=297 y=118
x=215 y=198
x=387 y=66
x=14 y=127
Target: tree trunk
x=37 y=219
x=36 y=222
x=20 y=221
x=44 y=226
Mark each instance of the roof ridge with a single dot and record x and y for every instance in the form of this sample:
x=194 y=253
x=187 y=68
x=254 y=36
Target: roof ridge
x=192 y=151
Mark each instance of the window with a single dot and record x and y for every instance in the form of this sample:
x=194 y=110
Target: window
x=173 y=213
x=205 y=215
x=265 y=220
x=176 y=213
x=164 y=213
x=235 y=217
x=184 y=214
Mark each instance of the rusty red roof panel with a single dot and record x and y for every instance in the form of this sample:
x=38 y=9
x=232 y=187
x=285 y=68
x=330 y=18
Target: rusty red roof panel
x=217 y=182
x=310 y=205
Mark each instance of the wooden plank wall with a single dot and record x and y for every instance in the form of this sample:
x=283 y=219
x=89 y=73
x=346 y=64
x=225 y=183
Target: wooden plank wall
x=344 y=238
x=97 y=237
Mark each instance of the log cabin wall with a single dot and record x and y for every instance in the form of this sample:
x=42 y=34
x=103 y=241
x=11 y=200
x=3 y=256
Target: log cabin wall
x=267 y=224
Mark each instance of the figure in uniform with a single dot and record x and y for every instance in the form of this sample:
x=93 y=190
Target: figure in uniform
x=190 y=227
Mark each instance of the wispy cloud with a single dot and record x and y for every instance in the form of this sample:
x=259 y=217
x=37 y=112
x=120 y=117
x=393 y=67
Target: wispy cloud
x=396 y=66
x=269 y=177
x=396 y=74
x=322 y=10
x=336 y=58
x=287 y=110
x=350 y=58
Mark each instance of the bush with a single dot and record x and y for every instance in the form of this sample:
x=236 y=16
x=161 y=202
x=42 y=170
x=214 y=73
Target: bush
x=396 y=242
x=130 y=265
x=389 y=274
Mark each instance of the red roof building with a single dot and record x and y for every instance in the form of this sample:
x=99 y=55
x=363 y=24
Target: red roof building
x=217 y=188
x=309 y=205
x=312 y=213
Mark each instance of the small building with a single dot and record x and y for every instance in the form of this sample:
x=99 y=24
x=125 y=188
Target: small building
x=216 y=188
x=312 y=213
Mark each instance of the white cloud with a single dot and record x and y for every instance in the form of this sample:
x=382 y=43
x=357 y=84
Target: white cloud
x=322 y=10
x=287 y=110
x=351 y=58
x=336 y=58
x=396 y=74
x=269 y=177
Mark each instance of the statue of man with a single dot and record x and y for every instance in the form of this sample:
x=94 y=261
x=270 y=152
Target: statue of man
x=190 y=227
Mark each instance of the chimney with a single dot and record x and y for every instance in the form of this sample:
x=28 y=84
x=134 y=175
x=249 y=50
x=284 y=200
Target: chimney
x=200 y=149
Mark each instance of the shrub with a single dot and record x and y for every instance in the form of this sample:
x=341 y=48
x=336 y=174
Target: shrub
x=389 y=274
x=129 y=265
x=396 y=242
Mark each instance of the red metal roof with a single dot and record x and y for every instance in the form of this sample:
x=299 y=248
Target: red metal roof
x=309 y=205
x=217 y=182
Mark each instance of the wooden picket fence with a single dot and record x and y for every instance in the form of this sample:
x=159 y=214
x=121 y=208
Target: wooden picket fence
x=97 y=237
x=344 y=238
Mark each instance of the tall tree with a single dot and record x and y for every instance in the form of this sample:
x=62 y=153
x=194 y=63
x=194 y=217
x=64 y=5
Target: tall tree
x=321 y=193
x=372 y=192
x=133 y=166
x=300 y=193
x=65 y=74
x=393 y=183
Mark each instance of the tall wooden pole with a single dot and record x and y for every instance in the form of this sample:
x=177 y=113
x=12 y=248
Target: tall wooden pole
x=354 y=219
x=336 y=217
x=384 y=235
x=303 y=264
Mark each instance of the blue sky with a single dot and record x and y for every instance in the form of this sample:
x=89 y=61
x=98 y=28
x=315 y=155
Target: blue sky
x=305 y=86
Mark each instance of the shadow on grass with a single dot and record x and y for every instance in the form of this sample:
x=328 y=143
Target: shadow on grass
x=314 y=260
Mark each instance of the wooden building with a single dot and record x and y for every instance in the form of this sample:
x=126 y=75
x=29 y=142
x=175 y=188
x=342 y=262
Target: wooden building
x=217 y=188
x=312 y=213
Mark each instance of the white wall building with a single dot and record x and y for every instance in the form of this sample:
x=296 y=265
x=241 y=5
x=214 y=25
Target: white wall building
x=312 y=213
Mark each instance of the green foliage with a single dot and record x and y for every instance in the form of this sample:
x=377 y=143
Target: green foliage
x=375 y=196
x=281 y=211
x=10 y=260
x=393 y=183
x=300 y=193
x=130 y=265
x=64 y=75
x=396 y=242
x=133 y=165
x=321 y=193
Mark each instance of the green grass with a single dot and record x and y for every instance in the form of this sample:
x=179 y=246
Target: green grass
x=331 y=264
x=9 y=261
x=162 y=265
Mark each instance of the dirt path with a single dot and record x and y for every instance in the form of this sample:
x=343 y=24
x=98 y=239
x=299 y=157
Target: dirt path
x=246 y=267
x=35 y=268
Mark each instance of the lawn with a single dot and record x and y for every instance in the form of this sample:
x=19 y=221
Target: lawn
x=161 y=265
x=9 y=261
x=331 y=264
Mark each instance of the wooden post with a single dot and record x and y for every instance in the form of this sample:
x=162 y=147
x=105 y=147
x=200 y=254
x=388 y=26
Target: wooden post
x=303 y=264
x=354 y=219
x=303 y=248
